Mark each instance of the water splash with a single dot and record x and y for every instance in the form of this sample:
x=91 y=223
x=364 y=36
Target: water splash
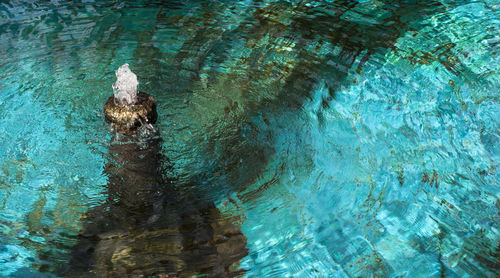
x=125 y=87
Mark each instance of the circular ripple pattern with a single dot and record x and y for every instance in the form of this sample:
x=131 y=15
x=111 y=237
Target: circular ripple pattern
x=344 y=138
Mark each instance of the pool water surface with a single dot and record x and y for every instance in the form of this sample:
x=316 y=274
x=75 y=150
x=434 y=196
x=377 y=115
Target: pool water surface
x=338 y=138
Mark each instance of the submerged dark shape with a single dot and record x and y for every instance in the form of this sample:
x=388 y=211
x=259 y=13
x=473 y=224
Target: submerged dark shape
x=289 y=50
x=145 y=226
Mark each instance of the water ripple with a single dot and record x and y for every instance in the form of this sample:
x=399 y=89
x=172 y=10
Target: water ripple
x=343 y=138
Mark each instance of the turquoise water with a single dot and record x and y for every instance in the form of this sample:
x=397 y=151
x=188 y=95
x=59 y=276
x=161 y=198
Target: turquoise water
x=344 y=138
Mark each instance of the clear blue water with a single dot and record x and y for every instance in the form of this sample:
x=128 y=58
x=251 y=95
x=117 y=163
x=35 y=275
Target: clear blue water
x=347 y=138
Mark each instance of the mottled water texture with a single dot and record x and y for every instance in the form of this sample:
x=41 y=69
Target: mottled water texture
x=342 y=138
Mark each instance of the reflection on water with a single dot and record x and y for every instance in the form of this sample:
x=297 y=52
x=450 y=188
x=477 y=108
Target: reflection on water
x=146 y=228
x=342 y=138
